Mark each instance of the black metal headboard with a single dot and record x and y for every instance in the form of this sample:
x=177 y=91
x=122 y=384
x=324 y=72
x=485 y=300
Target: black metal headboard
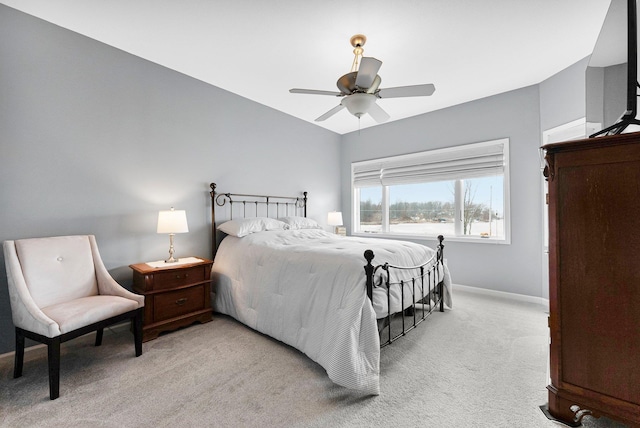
x=272 y=206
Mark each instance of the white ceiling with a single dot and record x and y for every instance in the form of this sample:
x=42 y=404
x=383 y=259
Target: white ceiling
x=469 y=49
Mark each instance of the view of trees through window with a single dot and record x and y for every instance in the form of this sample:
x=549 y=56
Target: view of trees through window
x=430 y=208
x=371 y=209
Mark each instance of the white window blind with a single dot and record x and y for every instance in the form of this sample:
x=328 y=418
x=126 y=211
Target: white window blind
x=468 y=161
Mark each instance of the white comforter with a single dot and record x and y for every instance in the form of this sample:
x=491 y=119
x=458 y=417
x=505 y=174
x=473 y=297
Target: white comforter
x=311 y=294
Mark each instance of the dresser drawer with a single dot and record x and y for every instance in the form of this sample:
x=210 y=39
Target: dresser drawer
x=166 y=280
x=175 y=303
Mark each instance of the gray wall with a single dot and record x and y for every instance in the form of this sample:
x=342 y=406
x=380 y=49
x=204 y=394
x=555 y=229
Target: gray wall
x=615 y=93
x=96 y=141
x=519 y=115
x=563 y=96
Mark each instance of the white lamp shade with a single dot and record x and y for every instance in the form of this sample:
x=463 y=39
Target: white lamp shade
x=334 y=218
x=358 y=103
x=172 y=221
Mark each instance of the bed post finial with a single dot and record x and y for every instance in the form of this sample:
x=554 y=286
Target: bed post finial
x=368 y=269
x=368 y=254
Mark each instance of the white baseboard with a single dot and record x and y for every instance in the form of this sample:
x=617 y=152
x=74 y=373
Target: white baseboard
x=512 y=296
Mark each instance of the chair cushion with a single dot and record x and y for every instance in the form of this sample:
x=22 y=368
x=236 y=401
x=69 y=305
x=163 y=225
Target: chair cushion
x=57 y=269
x=81 y=312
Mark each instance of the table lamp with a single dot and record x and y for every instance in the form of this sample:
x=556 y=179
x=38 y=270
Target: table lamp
x=335 y=219
x=172 y=222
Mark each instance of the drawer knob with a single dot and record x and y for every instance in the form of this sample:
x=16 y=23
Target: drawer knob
x=181 y=302
x=186 y=275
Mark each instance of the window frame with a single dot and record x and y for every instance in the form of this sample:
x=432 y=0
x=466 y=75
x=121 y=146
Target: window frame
x=355 y=197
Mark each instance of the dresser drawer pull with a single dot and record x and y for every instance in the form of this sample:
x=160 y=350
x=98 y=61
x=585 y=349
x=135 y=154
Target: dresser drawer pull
x=186 y=275
x=181 y=302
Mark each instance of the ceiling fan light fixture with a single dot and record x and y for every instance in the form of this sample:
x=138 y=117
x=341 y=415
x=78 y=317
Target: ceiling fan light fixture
x=359 y=103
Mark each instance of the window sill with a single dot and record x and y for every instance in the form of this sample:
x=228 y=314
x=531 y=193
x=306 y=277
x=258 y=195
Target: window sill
x=469 y=239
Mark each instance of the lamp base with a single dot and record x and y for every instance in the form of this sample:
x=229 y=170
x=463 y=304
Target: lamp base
x=171 y=259
x=340 y=230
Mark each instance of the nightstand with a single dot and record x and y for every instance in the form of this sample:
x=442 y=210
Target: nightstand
x=175 y=294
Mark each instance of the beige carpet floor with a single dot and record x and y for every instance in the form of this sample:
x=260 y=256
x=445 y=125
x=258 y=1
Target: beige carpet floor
x=482 y=364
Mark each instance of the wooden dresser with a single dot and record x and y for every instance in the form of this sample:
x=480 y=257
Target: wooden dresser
x=594 y=269
x=176 y=295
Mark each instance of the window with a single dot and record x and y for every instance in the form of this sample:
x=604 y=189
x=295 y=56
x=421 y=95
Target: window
x=459 y=192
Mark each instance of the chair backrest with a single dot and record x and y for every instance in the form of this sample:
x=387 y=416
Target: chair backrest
x=57 y=269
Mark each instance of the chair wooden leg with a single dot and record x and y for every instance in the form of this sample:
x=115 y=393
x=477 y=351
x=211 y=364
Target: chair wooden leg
x=99 y=336
x=19 y=357
x=53 y=354
x=137 y=331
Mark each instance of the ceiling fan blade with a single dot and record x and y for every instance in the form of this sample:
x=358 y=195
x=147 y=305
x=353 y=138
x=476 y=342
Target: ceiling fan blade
x=367 y=72
x=375 y=85
x=407 y=91
x=315 y=92
x=330 y=113
x=378 y=114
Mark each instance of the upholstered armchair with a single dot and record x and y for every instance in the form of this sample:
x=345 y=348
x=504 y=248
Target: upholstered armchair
x=60 y=289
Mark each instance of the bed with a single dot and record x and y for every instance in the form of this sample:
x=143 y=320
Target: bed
x=279 y=273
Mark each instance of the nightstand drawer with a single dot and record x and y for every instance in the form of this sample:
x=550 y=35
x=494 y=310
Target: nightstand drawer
x=179 y=302
x=176 y=278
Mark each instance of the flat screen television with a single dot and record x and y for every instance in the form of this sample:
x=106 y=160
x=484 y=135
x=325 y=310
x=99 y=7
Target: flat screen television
x=611 y=76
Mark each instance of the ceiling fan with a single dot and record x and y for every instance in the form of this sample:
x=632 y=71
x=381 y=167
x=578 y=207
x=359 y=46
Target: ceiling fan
x=361 y=87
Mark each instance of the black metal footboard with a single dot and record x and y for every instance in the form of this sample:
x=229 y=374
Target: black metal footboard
x=426 y=290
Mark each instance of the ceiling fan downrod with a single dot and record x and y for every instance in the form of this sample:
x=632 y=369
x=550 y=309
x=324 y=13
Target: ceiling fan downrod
x=357 y=42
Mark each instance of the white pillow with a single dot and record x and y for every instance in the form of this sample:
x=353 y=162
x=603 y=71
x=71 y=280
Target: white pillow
x=244 y=226
x=296 y=222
